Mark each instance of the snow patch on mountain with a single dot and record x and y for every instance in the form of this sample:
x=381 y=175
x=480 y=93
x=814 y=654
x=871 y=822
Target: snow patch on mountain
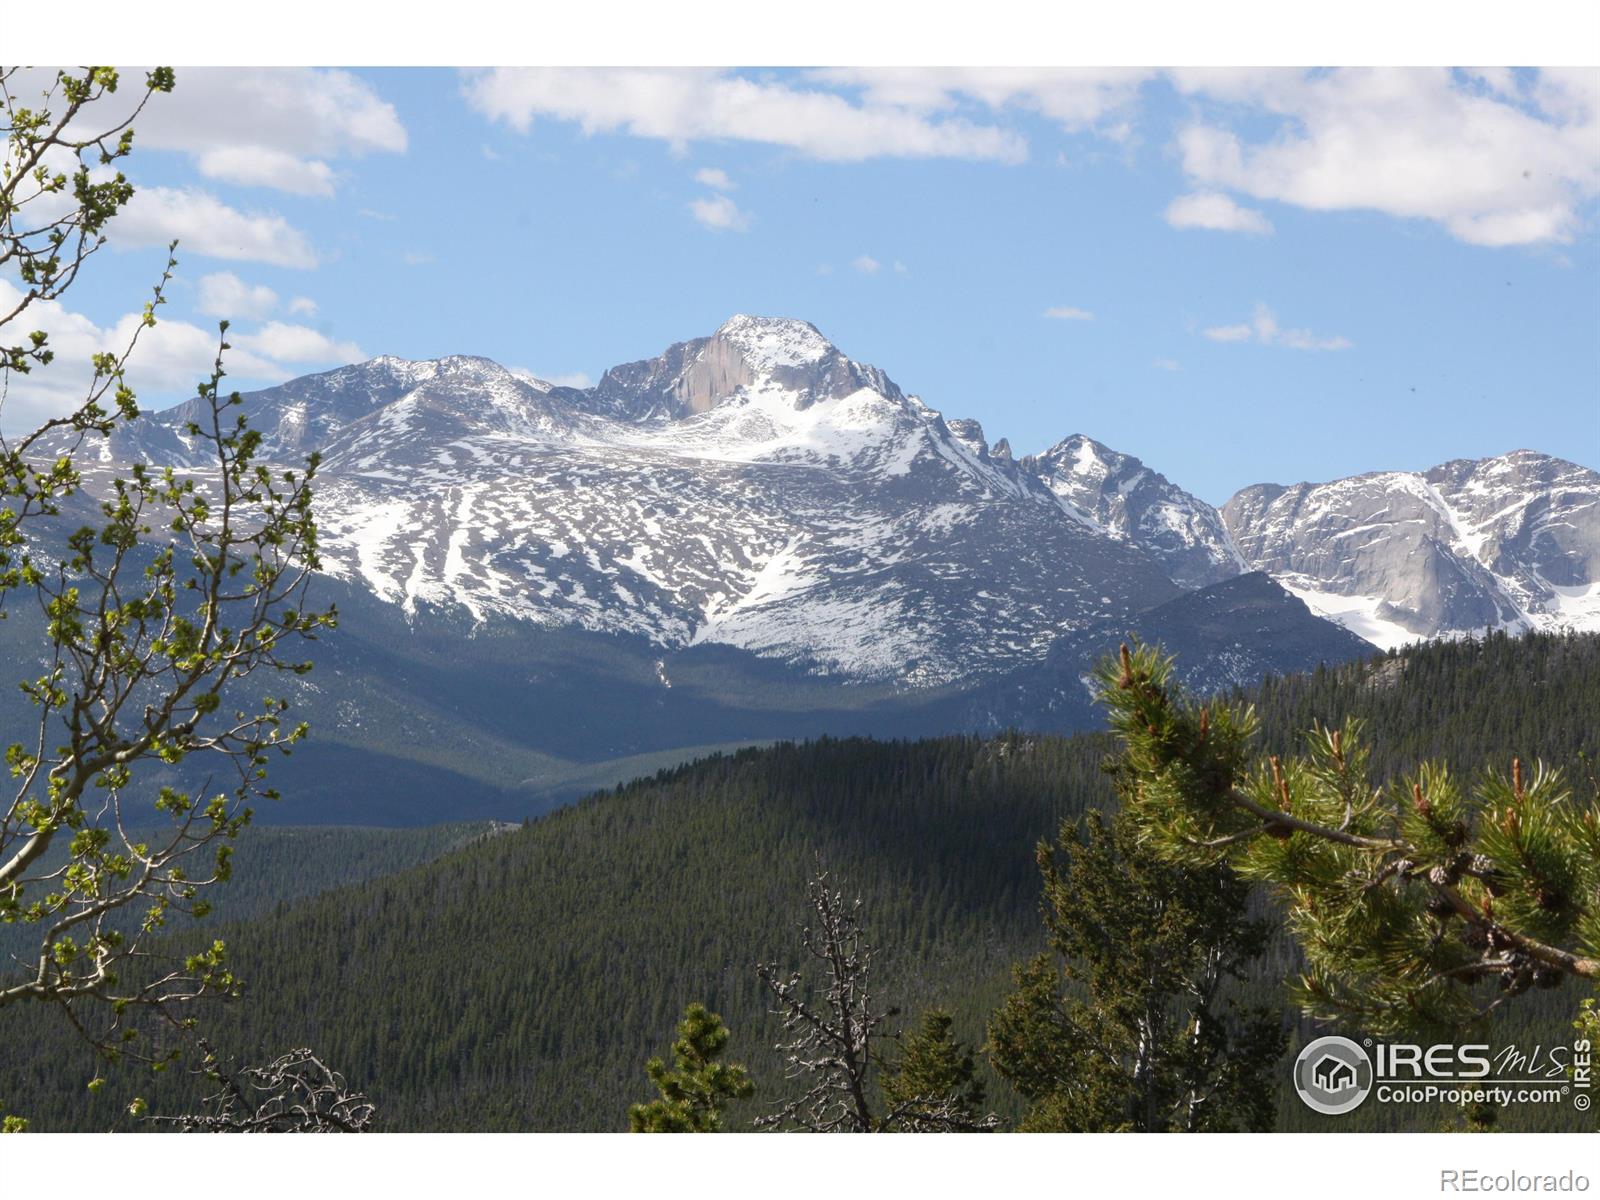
x=1361 y=615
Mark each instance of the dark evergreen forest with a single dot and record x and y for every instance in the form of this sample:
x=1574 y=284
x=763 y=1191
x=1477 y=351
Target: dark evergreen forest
x=521 y=981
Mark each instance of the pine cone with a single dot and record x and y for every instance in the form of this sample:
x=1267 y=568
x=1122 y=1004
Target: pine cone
x=1550 y=900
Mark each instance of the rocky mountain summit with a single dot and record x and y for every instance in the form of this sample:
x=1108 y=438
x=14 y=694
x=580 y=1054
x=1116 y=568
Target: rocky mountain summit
x=1134 y=504
x=746 y=352
x=1509 y=543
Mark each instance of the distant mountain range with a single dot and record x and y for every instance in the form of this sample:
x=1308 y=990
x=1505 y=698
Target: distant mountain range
x=754 y=536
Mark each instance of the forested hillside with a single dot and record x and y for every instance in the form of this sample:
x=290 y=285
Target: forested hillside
x=274 y=866
x=1469 y=702
x=522 y=981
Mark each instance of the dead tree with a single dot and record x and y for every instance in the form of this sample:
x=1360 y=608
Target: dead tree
x=294 y=1093
x=829 y=1038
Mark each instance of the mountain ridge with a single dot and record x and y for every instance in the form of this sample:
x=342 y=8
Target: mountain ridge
x=759 y=487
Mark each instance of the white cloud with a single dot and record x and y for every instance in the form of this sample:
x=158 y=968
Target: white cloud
x=205 y=225
x=224 y=294
x=258 y=166
x=166 y=364
x=271 y=127
x=416 y=258
x=296 y=344
x=1165 y=364
x=867 y=265
x=714 y=177
x=1263 y=328
x=683 y=105
x=1213 y=210
x=1068 y=313
x=302 y=306
x=837 y=113
x=900 y=268
x=1496 y=158
x=719 y=212
x=1075 y=97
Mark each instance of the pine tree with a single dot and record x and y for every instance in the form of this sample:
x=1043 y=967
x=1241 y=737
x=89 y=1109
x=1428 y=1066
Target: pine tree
x=695 y=1090
x=1421 y=906
x=932 y=1087
x=1126 y=1023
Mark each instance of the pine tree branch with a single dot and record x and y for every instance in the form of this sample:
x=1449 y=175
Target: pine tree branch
x=1553 y=956
x=1276 y=819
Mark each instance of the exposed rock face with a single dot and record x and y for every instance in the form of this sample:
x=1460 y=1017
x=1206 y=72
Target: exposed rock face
x=1536 y=516
x=1137 y=505
x=692 y=377
x=1509 y=543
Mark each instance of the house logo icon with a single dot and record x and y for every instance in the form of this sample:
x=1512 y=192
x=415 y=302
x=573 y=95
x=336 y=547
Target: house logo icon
x=1333 y=1075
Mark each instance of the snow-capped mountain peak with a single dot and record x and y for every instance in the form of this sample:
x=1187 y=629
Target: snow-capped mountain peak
x=1130 y=502
x=1510 y=542
x=746 y=354
x=774 y=343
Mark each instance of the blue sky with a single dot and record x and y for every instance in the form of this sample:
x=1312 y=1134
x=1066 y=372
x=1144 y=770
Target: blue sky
x=1237 y=276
